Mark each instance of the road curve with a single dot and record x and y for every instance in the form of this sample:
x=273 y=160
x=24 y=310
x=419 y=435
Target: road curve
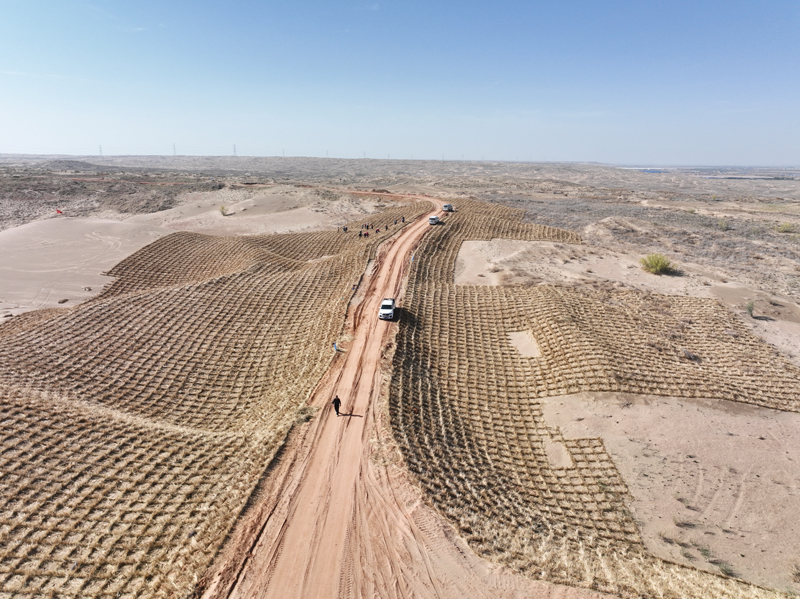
x=338 y=517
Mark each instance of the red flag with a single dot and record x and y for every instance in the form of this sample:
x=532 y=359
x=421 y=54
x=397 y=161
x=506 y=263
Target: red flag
x=59 y=211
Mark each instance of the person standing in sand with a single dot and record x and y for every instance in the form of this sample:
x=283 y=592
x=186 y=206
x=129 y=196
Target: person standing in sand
x=336 y=403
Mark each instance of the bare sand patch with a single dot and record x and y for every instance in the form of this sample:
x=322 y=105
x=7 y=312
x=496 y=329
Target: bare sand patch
x=507 y=261
x=775 y=319
x=525 y=344
x=715 y=484
x=558 y=455
x=47 y=261
x=282 y=209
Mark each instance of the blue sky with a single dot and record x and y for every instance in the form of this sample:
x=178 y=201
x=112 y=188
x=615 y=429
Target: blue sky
x=627 y=82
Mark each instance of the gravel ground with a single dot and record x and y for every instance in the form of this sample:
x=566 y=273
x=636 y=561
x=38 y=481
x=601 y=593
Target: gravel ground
x=33 y=193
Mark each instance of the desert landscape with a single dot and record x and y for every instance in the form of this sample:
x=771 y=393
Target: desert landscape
x=543 y=418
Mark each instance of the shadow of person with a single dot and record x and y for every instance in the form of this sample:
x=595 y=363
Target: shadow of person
x=351 y=415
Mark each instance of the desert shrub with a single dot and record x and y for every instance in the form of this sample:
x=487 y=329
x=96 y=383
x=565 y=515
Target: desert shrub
x=725 y=568
x=724 y=225
x=223 y=211
x=785 y=228
x=749 y=307
x=658 y=264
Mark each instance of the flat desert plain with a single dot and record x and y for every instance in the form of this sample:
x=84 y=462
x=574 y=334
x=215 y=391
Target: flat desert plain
x=543 y=417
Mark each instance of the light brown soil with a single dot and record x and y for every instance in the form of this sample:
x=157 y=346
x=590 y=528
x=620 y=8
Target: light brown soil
x=525 y=344
x=469 y=410
x=731 y=470
x=47 y=261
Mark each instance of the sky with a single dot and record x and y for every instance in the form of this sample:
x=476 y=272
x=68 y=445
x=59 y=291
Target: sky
x=644 y=82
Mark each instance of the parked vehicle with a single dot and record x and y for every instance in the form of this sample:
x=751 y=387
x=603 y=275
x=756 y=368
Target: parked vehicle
x=386 y=311
x=448 y=208
x=433 y=220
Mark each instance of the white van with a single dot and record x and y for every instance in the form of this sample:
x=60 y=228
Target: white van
x=433 y=220
x=386 y=311
x=448 y=208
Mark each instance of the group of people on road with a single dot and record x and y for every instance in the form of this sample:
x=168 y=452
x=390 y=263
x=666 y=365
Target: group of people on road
x=367 y=227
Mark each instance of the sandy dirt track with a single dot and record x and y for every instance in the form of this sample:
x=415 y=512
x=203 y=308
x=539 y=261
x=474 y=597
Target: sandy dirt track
x=338 y=519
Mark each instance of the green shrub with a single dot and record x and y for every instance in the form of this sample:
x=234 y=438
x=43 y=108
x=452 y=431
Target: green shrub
x=724 y=225
x=785 y=228
x=658 y=264
x=749 y=307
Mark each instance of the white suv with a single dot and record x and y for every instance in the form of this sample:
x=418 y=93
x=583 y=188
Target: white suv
x=387 y=309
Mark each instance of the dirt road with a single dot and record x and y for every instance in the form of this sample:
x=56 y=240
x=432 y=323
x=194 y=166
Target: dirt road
x=338 y=517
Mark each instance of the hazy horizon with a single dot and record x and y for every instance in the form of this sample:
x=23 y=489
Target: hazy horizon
x=177 y=157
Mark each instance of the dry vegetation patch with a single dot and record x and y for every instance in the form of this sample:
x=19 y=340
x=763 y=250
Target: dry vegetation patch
x=136 y=425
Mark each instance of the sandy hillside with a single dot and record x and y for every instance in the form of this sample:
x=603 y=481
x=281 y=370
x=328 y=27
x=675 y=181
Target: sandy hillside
x=63 y=257
x=547 y=407
x=732 y=471
x=509 y=262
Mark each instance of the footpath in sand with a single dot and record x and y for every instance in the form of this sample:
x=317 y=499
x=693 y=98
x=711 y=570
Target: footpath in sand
x=334 y=518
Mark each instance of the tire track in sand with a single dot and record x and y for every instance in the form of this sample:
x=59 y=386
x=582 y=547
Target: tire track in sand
x=334 y=522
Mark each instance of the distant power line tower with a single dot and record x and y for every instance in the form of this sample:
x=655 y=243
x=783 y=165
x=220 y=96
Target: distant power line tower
x=101 y=150
x=234 y=149
x=174 y=151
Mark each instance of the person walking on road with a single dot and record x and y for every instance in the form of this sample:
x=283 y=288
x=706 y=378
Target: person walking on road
x=336 y=403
